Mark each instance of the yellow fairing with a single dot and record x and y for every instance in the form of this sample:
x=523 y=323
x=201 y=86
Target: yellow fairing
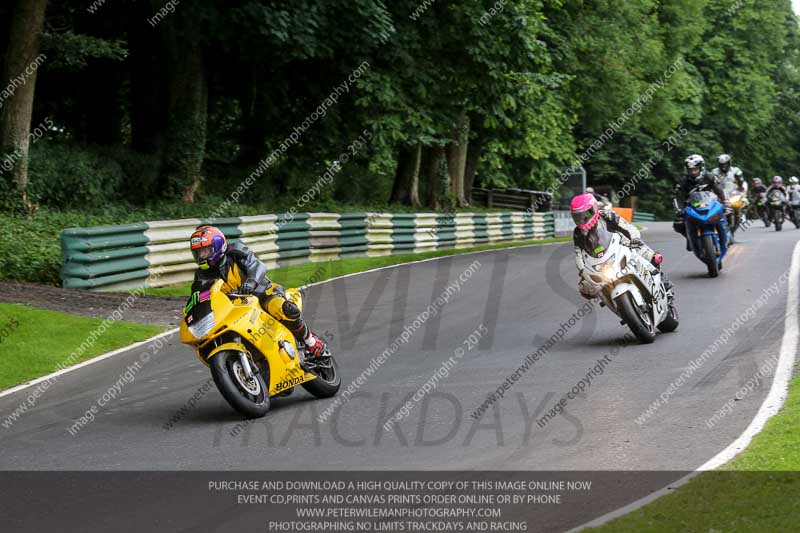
x=244 y=318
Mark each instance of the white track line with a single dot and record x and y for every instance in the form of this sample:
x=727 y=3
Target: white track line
x=170 y=332
x=771 y=405
x=84 y=363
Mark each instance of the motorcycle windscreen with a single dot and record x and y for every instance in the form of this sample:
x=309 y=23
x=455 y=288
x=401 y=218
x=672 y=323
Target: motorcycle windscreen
x=198 y=314
x=598 y=241
x=777 y=197
x=702 y=199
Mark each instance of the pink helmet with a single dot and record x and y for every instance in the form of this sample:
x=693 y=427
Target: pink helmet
x=585 y=211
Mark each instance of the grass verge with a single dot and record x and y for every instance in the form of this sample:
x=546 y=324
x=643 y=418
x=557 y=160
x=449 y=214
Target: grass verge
x=296 y=276
x=33 y=342
x=757 y=491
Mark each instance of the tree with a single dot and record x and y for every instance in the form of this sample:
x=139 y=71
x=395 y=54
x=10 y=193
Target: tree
x=21 y=63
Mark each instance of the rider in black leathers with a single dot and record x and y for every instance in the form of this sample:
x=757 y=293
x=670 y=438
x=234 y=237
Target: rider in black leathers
x=698 y=178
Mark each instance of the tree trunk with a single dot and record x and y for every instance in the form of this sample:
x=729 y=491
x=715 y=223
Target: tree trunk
x=430 y=175
x=406 y=189
x=185 y=140
x=472 y=162
x=457 y=159
x=15 y=114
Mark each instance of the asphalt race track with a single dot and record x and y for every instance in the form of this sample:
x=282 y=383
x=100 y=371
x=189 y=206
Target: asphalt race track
x=521 y=297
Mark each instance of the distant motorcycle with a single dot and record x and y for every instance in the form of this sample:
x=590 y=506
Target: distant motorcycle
x=761 y=211
x=739 y=204
x=703 y=213
x=776 y=203
x=794 y=207
x=630 y=286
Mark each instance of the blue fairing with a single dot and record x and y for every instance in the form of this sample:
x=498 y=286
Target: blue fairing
x=699 y=218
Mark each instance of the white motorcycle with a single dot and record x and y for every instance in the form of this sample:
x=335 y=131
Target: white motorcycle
x=630 y=286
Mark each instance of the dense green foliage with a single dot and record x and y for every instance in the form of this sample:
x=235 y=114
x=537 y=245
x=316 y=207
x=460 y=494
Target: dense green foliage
x=184 y=100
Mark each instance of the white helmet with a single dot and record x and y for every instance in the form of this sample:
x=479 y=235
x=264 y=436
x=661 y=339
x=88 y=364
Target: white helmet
x=793 y=180
x=695 y=160
x=694 y=166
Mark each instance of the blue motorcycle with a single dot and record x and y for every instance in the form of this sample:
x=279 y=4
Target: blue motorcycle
x=706 y=229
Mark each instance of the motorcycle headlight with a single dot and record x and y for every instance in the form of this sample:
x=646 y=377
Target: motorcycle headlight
x=609 y=269
x=201 y=328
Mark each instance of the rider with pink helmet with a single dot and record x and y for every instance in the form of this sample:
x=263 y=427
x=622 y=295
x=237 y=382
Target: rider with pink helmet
x=588 y=217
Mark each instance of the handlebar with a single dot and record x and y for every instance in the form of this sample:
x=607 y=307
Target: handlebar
x=234 y=294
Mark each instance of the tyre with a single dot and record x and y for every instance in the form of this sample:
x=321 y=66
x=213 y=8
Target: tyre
x=671 y=322
x=710 y=253
x=250 y=397
x=638 y=322
x=328 y=379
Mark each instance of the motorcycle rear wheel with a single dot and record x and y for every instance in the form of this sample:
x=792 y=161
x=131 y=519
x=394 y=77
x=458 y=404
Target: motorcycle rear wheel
x=670 y=323
x=328 y=380
x=248 y=397
x=710 y=252
x=641 y=326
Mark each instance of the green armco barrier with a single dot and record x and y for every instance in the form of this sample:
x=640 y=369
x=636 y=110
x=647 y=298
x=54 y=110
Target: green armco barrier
x=156 y=254
x=640 y=216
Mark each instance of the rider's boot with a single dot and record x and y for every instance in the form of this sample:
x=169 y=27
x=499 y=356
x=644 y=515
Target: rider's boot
x=314 y=346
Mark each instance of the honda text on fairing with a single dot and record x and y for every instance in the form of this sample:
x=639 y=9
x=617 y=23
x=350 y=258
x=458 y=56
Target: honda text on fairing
x=251 y=355
x=630 y=286
x=703 y=215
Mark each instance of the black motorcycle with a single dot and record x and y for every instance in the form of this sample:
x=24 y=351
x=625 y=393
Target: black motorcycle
x=776 y=205
x=760 y=210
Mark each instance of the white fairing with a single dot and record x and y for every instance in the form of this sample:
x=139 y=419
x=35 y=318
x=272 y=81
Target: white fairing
x=621 y=270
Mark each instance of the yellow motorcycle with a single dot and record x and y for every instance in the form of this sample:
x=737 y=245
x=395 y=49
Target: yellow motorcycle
x=252 y=356
x=739 y=203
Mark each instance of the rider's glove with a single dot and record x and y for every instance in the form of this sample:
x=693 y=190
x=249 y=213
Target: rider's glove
x=248 y=287
x=636 y=243
x=585 y=289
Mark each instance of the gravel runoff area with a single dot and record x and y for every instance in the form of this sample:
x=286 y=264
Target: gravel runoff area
x=153 y=310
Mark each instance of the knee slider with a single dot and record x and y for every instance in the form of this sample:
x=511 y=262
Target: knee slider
x=291 y=310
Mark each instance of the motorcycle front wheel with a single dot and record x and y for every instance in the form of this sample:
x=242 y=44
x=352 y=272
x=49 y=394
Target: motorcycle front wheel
x=248 y=396
x=710 y=253
x=636 y=320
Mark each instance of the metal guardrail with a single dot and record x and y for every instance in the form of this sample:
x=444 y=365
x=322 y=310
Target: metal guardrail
x=640 y=216
x=516 y=199
x=126 y=256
